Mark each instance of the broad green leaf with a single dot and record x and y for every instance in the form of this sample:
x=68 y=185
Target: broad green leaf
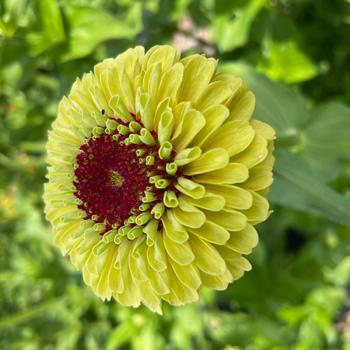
x=297 y=186
x=229 y=34
x=285 y=61
x=88 y=27
x=325 y=140
x=50 y=27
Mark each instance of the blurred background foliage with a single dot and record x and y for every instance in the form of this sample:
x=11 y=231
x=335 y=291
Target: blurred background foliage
x=295 y=56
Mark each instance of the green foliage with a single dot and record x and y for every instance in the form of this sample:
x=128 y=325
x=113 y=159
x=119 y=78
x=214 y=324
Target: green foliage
x=297 y=295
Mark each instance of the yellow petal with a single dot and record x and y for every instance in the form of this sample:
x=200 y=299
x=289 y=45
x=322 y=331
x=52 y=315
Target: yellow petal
x=171 y=82
x=214 y=118
x=145 y=108
x=254 y=154
x=187 y=274
x=259 y=211
x=187 y=155
x=173 y=229
x=179 y=252
x=197 y=75
x=188 y=215
x=165 y=55
x=241 y=105
x=243 y=241
x=179 y=294
x=151 y=79
x=231 y=220
x=165 y=126
x=232 y=173
x=211 y=232
x=234 y=136
x=217 y=282
x=156 y=255
x=235 y=197
x=260 y=178
x=263 y=129
x=211 y=160
x=190 y=188
x=130 y=295
x=216 y=93
x=191 y=122
x=159 y=281
x=115 y=280
x=209 y=201
x=207 y=257
x=149 y=297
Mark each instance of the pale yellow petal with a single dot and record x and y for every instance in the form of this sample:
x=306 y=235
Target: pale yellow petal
x=188 y=215
x=156 y=255
x=207 y=257
x=216 y=93
x=192 y=121
x=232 y=173
x=259 y=211
x=243 y=241
x=241 y=105
x=217 y=282
x=263 y=129
x=187 y=274
x=260 y=178
x=165 y=126
x=187 y=155
x=254 y=154
x=235 y=197
x=214 y=118
x=216 y=158
x=234 y=136
x=197 y=75
x=190 y=188
x=173 y=229
x=165 y=55
x=209 y=201
x=211 y=232
x=229 y=219
x=179 y=252
x=171 y=82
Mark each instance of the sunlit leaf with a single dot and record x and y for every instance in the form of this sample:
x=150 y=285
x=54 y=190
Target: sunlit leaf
x=88 y=27
x=231 y=30
x=285 y=61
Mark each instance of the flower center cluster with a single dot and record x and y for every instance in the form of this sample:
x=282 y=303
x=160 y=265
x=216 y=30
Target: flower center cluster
x=120 y=175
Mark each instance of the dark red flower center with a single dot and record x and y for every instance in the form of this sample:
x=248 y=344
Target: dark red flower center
x=111 y=178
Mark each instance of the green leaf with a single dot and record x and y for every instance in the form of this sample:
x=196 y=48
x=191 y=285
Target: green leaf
x=230 y=34
x=284 y=61
x=88 y=27
x=297 y=186
x=50 y=27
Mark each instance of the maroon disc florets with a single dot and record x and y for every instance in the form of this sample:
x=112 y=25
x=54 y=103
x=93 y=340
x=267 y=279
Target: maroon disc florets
x=111 y=177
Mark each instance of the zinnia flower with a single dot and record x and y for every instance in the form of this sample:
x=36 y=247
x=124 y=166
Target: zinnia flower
x=157 y=176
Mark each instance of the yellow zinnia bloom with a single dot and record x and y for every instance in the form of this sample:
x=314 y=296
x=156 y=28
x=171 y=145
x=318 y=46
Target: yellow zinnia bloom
x=156 y=177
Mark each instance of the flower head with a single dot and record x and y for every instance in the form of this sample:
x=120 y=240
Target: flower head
x=156 y=176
